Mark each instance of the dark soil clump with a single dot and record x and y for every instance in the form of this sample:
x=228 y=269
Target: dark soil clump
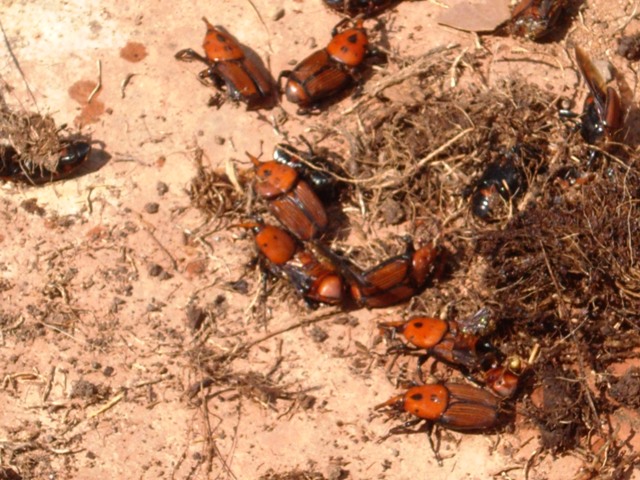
x=626 y=389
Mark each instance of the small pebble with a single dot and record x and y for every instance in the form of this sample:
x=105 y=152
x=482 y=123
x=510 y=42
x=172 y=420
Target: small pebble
x=162 y=188
x=629 y=47
x=278 y=14
x=318 y=334
x=152 y=207
x=155 y=270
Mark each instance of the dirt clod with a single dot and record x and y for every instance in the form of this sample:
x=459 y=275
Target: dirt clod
x=629 y=47
x=626 y=389
x=154 y=270
x=31 y=206
x=318 y=334
x=195 y=317
x=162 y=188
x=152 y=207
x=560 y=416
x=88 y=390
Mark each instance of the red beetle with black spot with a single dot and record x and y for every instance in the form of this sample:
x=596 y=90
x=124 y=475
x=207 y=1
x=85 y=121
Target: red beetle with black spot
x=329 y=71
x=229 y=68
x=396 y=279
x=315 y=280
x=291 y=200
x=456 y=406
x=445 y=341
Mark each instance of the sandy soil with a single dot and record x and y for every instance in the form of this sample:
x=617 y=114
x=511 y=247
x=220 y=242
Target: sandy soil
x=100 y=281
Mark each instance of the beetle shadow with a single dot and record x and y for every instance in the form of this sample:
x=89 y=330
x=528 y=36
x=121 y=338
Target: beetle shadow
x=269 y=101
x=382 y=27
x=96 y=159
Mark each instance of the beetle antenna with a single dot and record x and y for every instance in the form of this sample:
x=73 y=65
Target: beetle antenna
x=253 y=159
x=393 y=402
x=209 y=26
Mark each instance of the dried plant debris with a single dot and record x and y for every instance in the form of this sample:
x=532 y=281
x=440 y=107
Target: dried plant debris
x=260 y=387
x=559 y=261
x=568 y=264
x=31 y=135
x=565 y=276
x=560 y=415
x=213 y=192
x=32 y=149
x=557 y=264
x=414 y=160
x=293 y=475
x=88 y=391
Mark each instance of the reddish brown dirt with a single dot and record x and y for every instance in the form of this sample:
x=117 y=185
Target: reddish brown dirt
x=98 y=338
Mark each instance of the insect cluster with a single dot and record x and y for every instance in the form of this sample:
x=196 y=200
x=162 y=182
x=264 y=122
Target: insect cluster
x=297 y=253
x=297 y=190
x=319 y=77
x=294 y=187
x=466 y=347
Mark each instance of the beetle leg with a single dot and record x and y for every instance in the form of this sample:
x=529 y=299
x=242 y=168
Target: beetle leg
x=376 y=57
x=593 y=156
x=347 y=270
x=358 y=90
x=283 y=74
x=190 y=55
x=311 y=304
x=564 y=113
x=405 y=350
x=426 y=427
x=409 y=248
x=435 y=449
x=572 y=117
x=304 y=112
x=308 y=145
x=471 y=379
x=421 y=361
x=335 y=29
x=406 y=428
x=208 y=77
